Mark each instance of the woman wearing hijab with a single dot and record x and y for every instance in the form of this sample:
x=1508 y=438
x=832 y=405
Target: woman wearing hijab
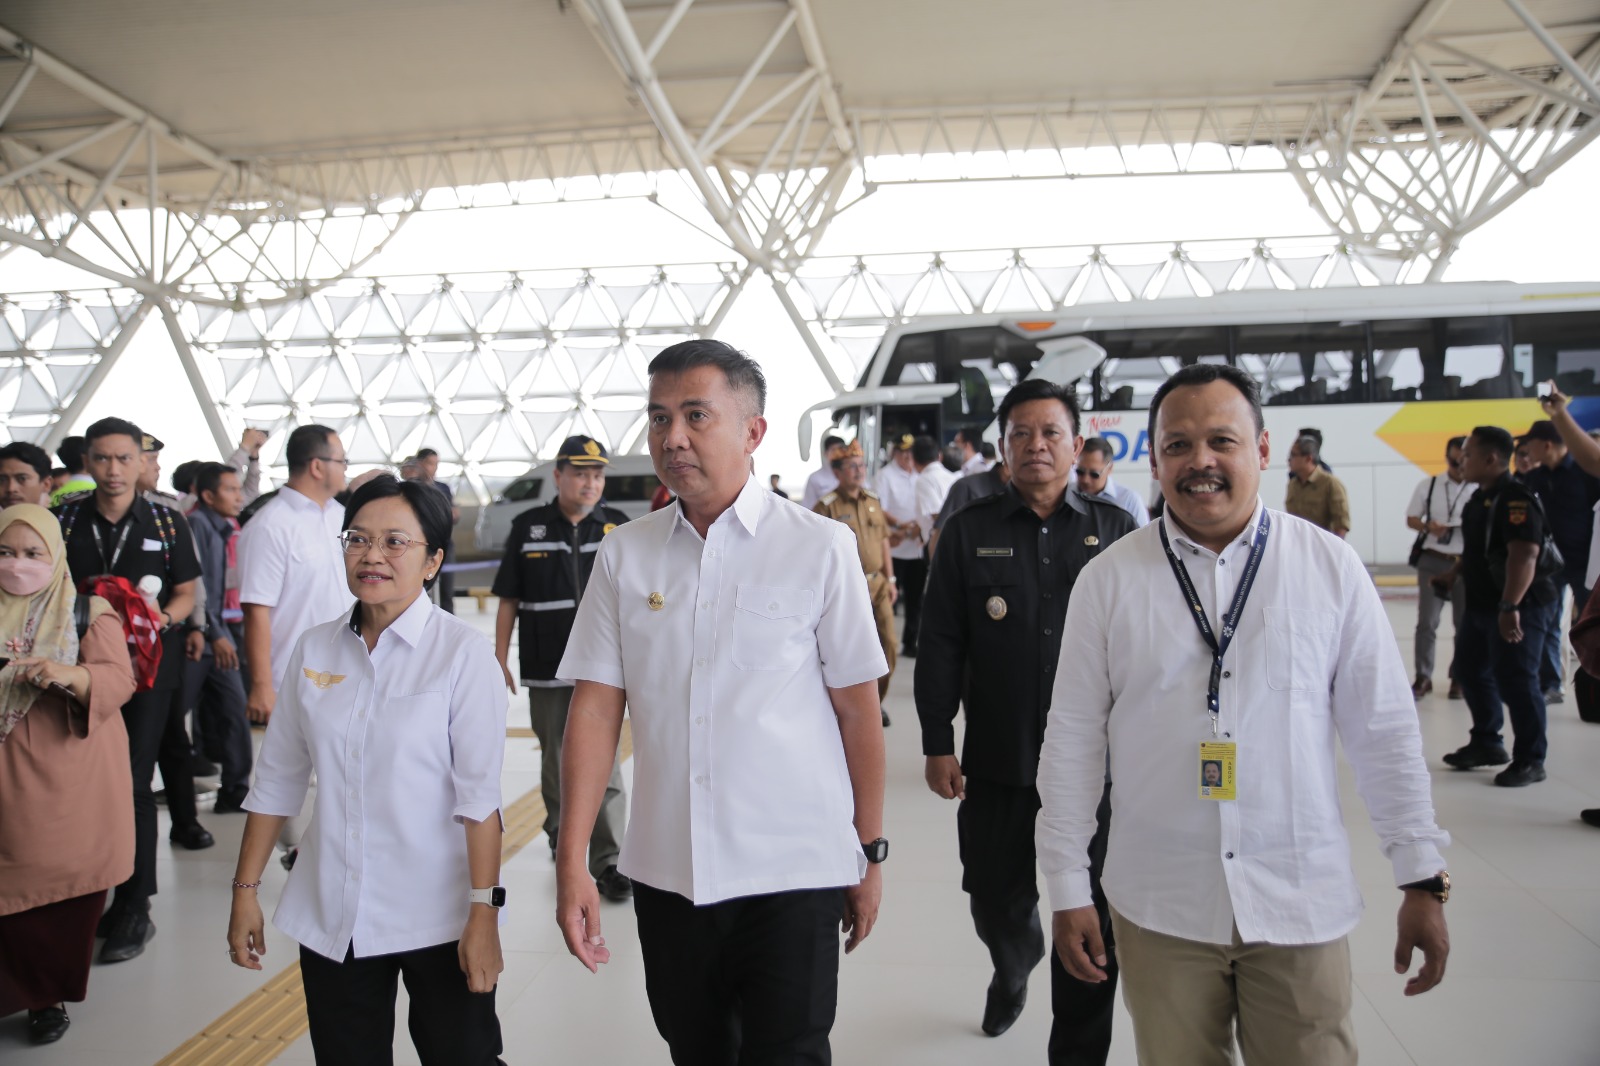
x=398 y=709
x=66 y=794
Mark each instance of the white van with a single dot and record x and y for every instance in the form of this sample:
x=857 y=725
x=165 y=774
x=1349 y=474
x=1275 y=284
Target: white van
x=630 y=484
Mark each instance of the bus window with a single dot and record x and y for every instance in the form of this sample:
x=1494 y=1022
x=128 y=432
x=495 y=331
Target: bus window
x=1139 y=360
x=635 y=487
x=1565 y=347
x=524 y=488
x=1305 y=362
x=1478 y=360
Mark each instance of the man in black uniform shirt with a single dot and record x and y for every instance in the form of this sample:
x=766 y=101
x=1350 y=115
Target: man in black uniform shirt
x=1498 y=646
x=112 y=530
x=991 y=637
x=549 y=555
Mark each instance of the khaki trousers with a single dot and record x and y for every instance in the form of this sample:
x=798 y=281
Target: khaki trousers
x=1291 y=1004
x=548 y=708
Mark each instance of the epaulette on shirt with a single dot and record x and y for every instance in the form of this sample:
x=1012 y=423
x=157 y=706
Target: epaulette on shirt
x=1102 y=501
x=829 y=498
x=869 y=494
x=75 y=497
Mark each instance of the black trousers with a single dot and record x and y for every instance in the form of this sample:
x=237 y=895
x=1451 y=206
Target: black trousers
x=911 y=576
x=746 y=982
x=156 y=736
x=350 y=1006
x=995 y=827
x=217 y=697
x=1491 y=671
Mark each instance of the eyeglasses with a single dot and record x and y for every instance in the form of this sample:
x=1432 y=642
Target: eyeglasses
x=331 y=459
x=392 y=545
x=1092 y=475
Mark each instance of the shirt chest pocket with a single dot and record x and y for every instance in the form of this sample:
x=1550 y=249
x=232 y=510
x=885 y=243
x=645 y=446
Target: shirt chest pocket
x=772 y=627
x=1300 y=644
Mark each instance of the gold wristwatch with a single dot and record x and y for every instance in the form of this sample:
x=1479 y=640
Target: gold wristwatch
x=1438 y=886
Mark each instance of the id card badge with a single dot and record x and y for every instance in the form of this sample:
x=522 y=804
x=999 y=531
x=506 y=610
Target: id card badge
x=1218 y=763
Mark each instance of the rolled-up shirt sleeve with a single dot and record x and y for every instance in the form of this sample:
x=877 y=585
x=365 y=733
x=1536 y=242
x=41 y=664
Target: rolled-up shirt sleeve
x=847 y=633
x=594 y=649
x=477 y=735
x=283 y=769
x=1376 y=718
x=1072 y=759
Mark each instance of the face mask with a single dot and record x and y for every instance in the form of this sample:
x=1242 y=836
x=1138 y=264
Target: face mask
x=24 y=577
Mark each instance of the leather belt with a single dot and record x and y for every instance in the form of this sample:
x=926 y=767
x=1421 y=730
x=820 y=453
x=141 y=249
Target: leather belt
x=1439 y=554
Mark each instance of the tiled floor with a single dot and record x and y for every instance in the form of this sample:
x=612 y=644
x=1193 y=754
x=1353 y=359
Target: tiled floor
x=1523 y=985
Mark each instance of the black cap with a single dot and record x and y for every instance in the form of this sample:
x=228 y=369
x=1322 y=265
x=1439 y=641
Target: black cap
x=579 y=450
x=1544 y=430
x=150 y=444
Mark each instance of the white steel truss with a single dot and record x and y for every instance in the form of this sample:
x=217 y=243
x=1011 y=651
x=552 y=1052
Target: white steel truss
x=485 y=368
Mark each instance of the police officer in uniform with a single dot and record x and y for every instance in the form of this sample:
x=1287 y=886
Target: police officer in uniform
x=859 y=508
x=112 y=530
x=549 y=555
x=991 y=638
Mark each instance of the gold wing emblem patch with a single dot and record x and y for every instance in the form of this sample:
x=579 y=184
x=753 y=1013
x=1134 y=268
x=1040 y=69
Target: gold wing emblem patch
x=322 y=679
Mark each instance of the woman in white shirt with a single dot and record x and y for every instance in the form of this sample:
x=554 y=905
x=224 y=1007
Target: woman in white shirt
x=398 y=710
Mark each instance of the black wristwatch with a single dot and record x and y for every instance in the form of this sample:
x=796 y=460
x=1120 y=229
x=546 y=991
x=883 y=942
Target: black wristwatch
x=1507 y=607
x=1438 y=886
x=876 y=851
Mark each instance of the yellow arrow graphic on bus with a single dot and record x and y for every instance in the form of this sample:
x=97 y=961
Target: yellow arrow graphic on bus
x=1420 y=431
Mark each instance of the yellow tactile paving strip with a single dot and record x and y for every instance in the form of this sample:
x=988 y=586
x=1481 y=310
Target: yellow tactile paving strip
x=263 y=1025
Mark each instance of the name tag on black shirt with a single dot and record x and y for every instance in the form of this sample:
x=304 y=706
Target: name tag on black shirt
x=994 y=553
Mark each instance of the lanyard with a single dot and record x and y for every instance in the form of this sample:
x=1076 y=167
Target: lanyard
x=99 y=542
x=1230 y=624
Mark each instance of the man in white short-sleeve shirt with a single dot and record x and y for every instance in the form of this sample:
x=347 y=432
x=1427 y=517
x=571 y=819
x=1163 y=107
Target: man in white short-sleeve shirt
x=737 y=630
x=291 y=572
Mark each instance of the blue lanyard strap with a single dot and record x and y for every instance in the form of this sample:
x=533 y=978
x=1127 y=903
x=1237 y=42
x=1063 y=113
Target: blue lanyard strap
x=1230 y=624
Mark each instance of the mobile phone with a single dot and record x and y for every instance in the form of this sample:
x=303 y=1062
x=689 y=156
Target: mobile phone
x=1544 y=390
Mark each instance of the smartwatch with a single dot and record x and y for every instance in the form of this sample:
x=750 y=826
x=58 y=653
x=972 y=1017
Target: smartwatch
x=876 y=851
x=494 y=897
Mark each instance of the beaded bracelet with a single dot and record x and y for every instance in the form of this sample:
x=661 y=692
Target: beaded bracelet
x=241 y=884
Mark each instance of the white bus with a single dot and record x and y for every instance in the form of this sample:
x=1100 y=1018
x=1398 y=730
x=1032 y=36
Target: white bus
x=1388 y=374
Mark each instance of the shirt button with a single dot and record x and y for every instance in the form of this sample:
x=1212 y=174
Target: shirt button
x=1229 y=855
x=700 y=720
x=1045 y=560
x=700 y=780
x=1047 y=632
x=699 y=662
x=1227 y=673
x=1044 y=529
x=706 y=606
x=712 y=554
x=355 y=834
x=772 y=606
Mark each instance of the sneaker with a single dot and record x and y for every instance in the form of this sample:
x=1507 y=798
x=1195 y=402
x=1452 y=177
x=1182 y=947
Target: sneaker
x=1519 y=774
x=128 y=935
x=1421 y=687
x=1474 y=756
x=1555 y=695
x=614 y=884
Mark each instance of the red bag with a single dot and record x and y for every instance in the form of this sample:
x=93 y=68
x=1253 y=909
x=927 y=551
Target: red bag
x=140 y=624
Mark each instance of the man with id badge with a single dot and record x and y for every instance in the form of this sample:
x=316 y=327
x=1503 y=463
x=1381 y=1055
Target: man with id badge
x=1228 y=867
x=112 y=530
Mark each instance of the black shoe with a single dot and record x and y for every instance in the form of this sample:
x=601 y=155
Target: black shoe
x=614 y=884
x=200 y=766
x=194 y=837
x=107 y=921
x=48 y=1025
x=1555 y=695
x=289 y=857
x=886 y=722
x=1519 y=774
x=1592 y=816
x=1474 y=756
x=231 y=801
x=1455 y=691
x=551 y=834
x=1000 y=1010
x=129 y=933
